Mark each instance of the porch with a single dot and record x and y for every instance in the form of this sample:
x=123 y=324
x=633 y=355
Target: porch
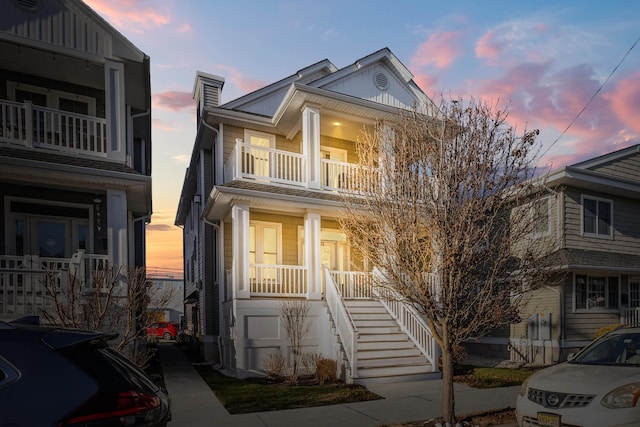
x=284 y=167
x=22 y=289
x=30 y=126
x=630 y=316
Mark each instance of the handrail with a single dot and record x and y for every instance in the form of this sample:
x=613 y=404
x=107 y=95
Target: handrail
x=411 y=323
x=345 y=326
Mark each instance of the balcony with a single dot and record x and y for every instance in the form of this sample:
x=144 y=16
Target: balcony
x=22 y=292
x=270 y=165
x=30 y=125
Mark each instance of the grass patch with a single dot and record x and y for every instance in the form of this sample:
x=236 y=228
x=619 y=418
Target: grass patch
x=258 y=394
x=481 y=377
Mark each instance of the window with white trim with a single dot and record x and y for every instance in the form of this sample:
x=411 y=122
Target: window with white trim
x=596 y=292
x=597 y=217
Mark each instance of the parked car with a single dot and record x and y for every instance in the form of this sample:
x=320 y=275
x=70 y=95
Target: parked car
x=600 y=386
x=62 y=377
x=166 y=330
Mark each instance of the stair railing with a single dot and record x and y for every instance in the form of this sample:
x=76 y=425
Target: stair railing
x=345 y=326
x=411 y=323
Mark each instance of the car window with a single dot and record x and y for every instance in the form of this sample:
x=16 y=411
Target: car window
x=616 y=349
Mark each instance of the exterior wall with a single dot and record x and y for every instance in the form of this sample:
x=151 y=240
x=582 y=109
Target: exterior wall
x=626 y=238
x=258 y=333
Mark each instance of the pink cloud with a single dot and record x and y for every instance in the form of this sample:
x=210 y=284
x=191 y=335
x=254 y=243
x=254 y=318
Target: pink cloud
x=540 y=98
x=625 y=101
x=489 y=47
x=135 y=15
x=185 y=28
x=173 y=100
x=440 y=49
x=238 y=78
x=428 y=83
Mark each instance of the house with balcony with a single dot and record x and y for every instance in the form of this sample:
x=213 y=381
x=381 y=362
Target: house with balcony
x=260 y=206
x=75 y=149
x=591 y=221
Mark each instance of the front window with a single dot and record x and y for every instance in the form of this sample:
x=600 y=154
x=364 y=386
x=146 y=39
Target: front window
x=596 y=292
x=265 y=248
x=541 y=216
x=596 y=217
x=259 y=163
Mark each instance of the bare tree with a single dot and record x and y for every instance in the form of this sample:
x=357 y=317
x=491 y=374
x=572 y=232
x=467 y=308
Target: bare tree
x=438 y=200
x=294 y=313
x=114 y=303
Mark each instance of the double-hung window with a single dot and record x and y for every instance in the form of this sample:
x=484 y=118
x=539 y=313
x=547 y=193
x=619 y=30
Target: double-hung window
x=597 y=217
x=596 y=292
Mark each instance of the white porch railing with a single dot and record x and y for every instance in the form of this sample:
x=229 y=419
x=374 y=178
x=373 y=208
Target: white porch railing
x=278 y=280
x=34 y=126
x=341 y=176
x=352 y=284
x=630 y=316
x=21 y=280
x=344 y=324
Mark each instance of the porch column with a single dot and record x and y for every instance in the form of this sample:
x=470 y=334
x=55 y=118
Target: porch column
x=312 y=254
x=240 y=238
x=311 y=144
x=117 y=228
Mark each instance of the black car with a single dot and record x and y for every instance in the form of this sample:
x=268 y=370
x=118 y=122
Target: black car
x=63 y=377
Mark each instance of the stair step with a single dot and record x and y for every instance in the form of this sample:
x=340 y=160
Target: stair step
x=371 y=316
x=364 y=372
x=373 y=330
x=385 y=345
x=396 y=336
x=388 y=353
x=368 y=309
x=365 y=323
x=392 y=362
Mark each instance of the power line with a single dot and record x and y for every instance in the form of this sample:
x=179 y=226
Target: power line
x=593 y=96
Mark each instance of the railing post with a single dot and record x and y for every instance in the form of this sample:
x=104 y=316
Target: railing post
x=28 y=123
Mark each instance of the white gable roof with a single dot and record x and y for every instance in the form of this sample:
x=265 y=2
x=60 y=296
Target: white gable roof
x=380 y=78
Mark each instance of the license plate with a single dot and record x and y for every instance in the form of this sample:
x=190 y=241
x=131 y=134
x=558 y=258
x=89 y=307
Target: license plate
x=548 y=420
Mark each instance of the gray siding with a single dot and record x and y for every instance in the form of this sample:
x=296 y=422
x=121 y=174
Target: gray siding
x=582 y=324
x=626 y=224
x=628 y=168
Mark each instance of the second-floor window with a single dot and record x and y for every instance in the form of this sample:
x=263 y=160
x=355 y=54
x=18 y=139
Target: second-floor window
x=540 y=211
x=259 y=151
x=597 y=216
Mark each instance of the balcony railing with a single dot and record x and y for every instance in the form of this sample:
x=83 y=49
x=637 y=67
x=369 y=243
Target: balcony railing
x=34 y=126
x=22 y=291
x=630 y=316
x=353 y=284
x=284 y=167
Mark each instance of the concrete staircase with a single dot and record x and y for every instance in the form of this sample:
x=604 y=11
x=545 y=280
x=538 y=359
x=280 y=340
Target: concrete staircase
x=385 y=353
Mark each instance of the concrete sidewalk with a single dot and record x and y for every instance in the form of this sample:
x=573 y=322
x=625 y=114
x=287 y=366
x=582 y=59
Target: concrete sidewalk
x=193 y=404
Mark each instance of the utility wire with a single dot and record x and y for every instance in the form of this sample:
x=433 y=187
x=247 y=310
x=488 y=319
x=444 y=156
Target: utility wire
x=593 y=96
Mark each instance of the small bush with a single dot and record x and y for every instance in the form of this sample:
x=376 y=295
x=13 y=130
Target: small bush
x=607 y=329
x=310 y=361
x=326 y=370
x=274 y=365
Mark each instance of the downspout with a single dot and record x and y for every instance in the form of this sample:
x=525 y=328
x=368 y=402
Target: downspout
x=218 y=269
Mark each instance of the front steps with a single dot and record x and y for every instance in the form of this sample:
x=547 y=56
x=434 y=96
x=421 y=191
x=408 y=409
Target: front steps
x=385 y=354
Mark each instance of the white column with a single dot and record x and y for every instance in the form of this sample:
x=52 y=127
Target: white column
x=117 y=228
x=311 y=144
x=240 y=238
x=115 y=110
x=312 y=254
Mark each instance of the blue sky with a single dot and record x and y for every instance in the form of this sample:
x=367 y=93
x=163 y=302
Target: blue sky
x=545 y=59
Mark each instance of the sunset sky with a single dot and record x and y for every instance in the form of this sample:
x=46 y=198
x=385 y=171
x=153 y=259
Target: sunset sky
x=545 y=59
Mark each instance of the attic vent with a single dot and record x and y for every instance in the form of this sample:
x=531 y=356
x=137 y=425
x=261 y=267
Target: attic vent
x=28 y=5
x=381 y=81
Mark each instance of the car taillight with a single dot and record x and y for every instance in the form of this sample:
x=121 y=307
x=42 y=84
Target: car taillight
x=124 y=405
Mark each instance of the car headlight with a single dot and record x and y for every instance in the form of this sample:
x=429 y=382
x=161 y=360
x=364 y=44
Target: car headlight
x=523 y=387
x=622 y=397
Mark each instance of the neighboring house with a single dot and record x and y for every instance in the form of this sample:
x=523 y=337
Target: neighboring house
x=75 y=149
x=259 y=209
x=592 y=219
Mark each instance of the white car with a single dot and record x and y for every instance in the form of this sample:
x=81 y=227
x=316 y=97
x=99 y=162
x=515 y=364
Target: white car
x=599 y=387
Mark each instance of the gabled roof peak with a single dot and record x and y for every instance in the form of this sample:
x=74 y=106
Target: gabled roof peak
x=596 y=161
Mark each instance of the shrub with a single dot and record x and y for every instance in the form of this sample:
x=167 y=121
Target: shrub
x=607 y=329
x=274 y=365
x=310 y=361
x=326 y=370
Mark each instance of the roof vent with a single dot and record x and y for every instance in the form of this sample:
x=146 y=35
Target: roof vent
x=28 y=5
x=381 y=81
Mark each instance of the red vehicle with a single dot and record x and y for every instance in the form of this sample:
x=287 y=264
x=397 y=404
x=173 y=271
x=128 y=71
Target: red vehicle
x=166 y=330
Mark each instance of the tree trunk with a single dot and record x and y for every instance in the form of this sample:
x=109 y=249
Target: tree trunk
x=448 y=398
